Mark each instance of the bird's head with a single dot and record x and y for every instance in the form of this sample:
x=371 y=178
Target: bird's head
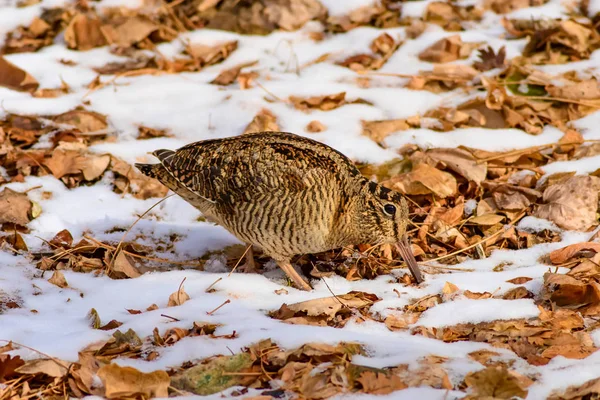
x=384 y=214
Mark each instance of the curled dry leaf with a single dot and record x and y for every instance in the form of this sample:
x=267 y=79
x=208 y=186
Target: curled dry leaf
x=326 y=310
x=323 y=103
x=58 y=279
x=447 y=49
x=424 y=179
x=588 y=390
x=8 y=365
x=15 y=78
x=584 y=90
x=85 y=121
x=379 y=130
x=566 y=253
x=123 y=267
x=460 y=161
x=122 y=382
x=566 y=291
x=498 y=382
x=228 y=76
x=84 y=33
x=264 y=121
x=209 y=55
x=129 y=179
x=128 y=30
x=315 y=127
x=15 y=207
x=178 y=298
x=52 y=367
x=571 y=204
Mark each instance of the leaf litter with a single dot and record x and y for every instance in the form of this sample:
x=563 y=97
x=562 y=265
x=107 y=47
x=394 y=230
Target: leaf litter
x=442 y=184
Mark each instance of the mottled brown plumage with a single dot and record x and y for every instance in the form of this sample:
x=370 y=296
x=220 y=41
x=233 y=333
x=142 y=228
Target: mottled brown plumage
x=286 y=194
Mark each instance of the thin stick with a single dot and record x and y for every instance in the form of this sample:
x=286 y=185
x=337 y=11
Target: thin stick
x=213 y=284
x=179 y=290
x=116 y=252
x=168 y=316
x=269 y=93
x=532 y=149
x=213 y=311
x=240 y=260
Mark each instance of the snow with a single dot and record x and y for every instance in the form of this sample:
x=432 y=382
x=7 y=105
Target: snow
x=475 y=311
x=192 y=109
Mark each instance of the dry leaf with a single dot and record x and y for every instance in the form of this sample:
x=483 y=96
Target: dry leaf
x=571 y=204
x=380 y=383
x=122 y=382
x=85 y=121
x=15 y=207
x=566 y=253
x=315 y=127
x=460 y=161
x=15 y=78
x=52 y=367
x=498 y=383
x=84 y=33
x=588 y=390
x=94 y=166
x=487 y=219
x=324 y=103
x=228 y=76
x=64 y=163
x=379 y=130
x=264 y=121
x=58 y=279
x=128 y=30
x=123 y=268
x=447 y=49
x=424 y=179
x=178 y=298
x=489 y=59
x=450 y=288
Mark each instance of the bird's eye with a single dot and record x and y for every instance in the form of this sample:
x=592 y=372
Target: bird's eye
x=389 y=209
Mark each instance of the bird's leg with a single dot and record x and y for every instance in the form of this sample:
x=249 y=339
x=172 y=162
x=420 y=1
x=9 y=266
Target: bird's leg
x=300 y=283
x=404 y=249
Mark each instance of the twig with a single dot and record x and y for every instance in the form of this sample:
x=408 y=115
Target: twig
x=333 y=294
x=213 y=284
x=168 y=316
x=39 y=352
x=213 y=311
x=532 y=149
x=179 y=290
x=116 y=252
x=239 y=260
x=269 y=92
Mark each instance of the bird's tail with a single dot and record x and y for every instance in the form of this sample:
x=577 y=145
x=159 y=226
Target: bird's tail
x=150 y=170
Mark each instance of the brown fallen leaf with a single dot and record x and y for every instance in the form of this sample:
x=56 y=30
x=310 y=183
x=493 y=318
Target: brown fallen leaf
x=571 y=204
x=520 y=280
x=209 y=55
x=447 y=49
x=588 y=390
x=145 y=132
x=123 y=267
x=64 y=163
x=380 y=382
x=8 y=365
x=85 y=121
x=315 y=127
x=58 y=279
x=259 y=18
x=52 y=367
x=15 y=207
x=566 y=253
x=94 y=166
x=228 y=76
x=333 y=310
x=15 y=78
x=264 y=121
x=122 y=382
x=178 y=298
x=584 y=90
x=460 y=161
x=128 y=179
x=84 y=33
x=324 y=103
x=129 y=30
x=424 y=179
x=566 y=291
x=379 y=130
x=489 y=59
x=498 y=383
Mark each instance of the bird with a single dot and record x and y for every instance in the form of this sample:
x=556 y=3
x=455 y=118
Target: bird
x=285 y=194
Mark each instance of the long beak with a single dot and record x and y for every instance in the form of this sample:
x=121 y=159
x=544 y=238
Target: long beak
x=404 y=248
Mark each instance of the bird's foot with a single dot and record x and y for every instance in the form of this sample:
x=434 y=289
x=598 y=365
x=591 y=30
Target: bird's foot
x=299 y=282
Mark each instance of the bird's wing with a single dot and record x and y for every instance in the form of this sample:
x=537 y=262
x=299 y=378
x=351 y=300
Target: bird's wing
x=227 y=172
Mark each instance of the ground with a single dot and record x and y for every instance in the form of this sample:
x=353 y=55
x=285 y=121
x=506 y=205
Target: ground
x=484 y=113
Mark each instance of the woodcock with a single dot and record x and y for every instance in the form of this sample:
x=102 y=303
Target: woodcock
x=285 y=194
